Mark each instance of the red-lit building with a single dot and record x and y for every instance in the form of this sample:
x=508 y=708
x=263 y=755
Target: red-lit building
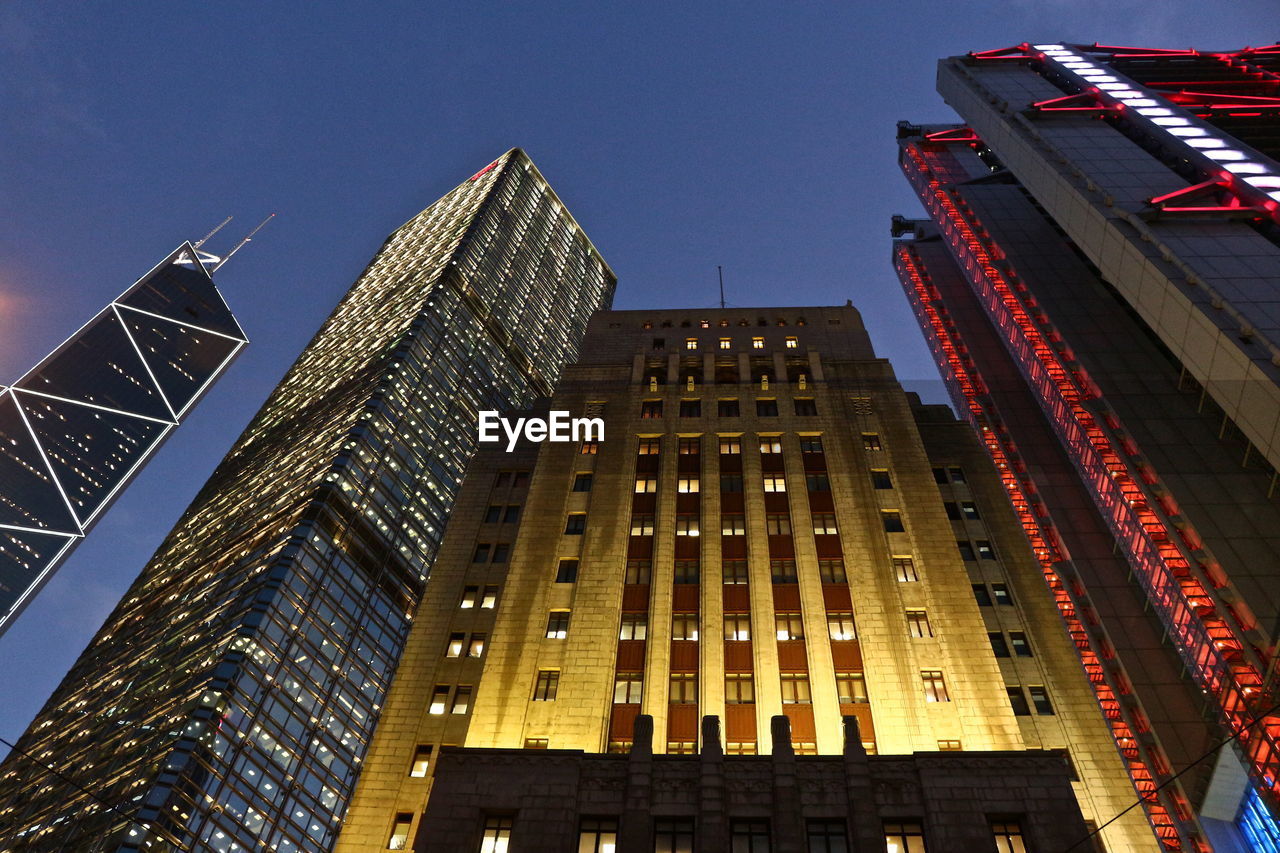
x=1099 y=278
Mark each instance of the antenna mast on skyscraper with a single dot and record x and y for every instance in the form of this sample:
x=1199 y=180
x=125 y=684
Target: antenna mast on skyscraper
x=720 y=270
x=240 y=245
x=197 y=244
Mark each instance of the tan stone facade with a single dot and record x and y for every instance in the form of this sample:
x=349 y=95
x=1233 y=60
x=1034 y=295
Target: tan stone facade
x=760 y=533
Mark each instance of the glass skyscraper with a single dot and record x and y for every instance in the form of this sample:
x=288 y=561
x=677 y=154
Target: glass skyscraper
x=228 y=701
x=1098 y=278
x=77 y=427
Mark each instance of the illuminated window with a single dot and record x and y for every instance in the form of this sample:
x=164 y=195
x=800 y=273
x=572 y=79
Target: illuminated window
x=733 y=524
x=684 y=626
x=646 y=485
x=536 y=743
x=421 y=761
x=730 y=445
x=649 y=447
x=783 y=571
x=400 y=831
x=637 y=572
x=690 y=343
x=589 y=448
x=905 y=569
x=582 y=483
x=737 y=626
x=793 y=343
x=642 y=525
x=683 y=689
x=597 y=835
x=795 y=688
x=789 y=626
x=892 y=520
x=439 y=699
x=841 y=627
x=461 y=700
x=757 y=343
x=777 y=524
x=851 y=688
x=489 y=599
x=456 y=642
x=469 y=596
x=690 y=408
x=807 y=747
x=575 y=524
x=673 y=835
x=635 y=626
x=1008 y=835
x=985 y=551
x=546 y=685
x=686 y=525
x=567 y=571
x=904 y=837
x=998 y=644
x=750 y=836
x=949 y=746
x=880 y=478
x=618 y=747
x=686 y=571
x=734 y=572
x=1021 y=647
x=824 y=524
x=686 y=485
x=871 y=441
x=969 y=510
x=739 y=688
x=726 y=343
x=918 y=623
x=766 y=409
x=832 y=571
x=627 y=687
x=740 y=748
x=775 y=483
x=690 y=446
x=497 y=834
x=651 y=409
x=827 y=836
x=806 y=407
x=728 y=408
x=558 y=625
x=475 y=648
x=935 y=688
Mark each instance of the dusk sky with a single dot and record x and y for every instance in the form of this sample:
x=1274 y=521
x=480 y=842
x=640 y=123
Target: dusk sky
x=753 y=135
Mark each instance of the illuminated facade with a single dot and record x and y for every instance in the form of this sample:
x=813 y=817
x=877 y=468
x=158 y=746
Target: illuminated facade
x=227 y=703
x=77 y=427
x=1097 y=279
x=771 y=527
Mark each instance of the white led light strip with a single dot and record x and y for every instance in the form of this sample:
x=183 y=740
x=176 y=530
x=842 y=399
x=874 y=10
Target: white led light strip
x=1252 y=173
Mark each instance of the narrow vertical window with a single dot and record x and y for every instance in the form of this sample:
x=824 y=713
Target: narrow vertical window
x=546 y=685
x=558 y=625
x=904 y=837
x=497 y=834
x=918 y=622
x=400 y=831
x=935 y=688
x=827 y=836
x=597 y=835
x=421 y=763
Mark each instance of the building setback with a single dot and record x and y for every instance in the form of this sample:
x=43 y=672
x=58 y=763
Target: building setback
x=228 y=701
x=1097 y=277
x=80 y=424
x=770 y=527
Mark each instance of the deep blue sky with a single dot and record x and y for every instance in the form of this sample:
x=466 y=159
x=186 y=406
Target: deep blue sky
x=755 y=135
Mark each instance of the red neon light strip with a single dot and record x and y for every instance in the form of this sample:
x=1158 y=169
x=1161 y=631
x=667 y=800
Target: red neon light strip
x=1214 y=654
x=1044 y=543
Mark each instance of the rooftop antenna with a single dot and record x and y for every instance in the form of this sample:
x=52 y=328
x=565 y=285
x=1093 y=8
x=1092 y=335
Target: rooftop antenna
x=720 y=270
x=197 y=244
x=240 y=245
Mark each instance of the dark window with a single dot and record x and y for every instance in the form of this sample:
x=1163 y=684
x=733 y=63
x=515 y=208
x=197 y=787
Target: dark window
x=734 y=571
x=492 y=514
x=766 y=408
x=567 y=571
x=940 y=476
x=982 y=594
x=966 y=550
x=651 y=409
x=1040 y=698
x=638 y=571
x=810 y=444
x=970 y=510
x=892 y=521
x=817 y=482
x=880 y=478
x=827 y=836
x=659 y=343
x=777 y=524
x=871 y=441
x=690 y=408
x=673 y=835
x=512 y=515
x=502 y=479
x=957 y=474
x=1019 y=701
x=750 y=836
x=1021 y=647
x=1000 y=593
x=501 y=552
x=806 y=406
x=520 y=480
x=481 y=554
x=690 y=446
x=731 y=482
x=728 y=408
x=575 y=524
x=582 y=483
x=985 y=551
x=998 y=644
x=783 y=571
x=832 y=571
x=544 y=689
x=953 y=510
x=686 y=571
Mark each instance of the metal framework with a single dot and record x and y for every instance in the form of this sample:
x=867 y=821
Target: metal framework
x=77 y=427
